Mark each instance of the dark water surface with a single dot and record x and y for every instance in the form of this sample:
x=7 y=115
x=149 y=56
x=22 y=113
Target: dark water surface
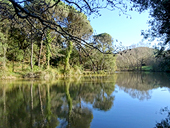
x=123 y=100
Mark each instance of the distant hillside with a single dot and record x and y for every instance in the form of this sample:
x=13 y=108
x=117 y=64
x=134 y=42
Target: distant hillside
x=133 y=51
x=134 y=59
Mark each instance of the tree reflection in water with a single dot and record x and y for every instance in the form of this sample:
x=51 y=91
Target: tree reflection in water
x=165 y=123
x=54 y=104
x=68 y=103
x=139 y=85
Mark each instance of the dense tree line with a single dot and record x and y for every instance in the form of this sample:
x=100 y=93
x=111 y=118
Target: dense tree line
x=58 y=33
x=27 y=41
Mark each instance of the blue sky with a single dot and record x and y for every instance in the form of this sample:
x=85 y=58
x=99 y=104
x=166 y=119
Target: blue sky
x=125 y=30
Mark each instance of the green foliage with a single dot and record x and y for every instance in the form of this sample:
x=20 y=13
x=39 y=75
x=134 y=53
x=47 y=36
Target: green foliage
x=106 y=62
x=104 y=42
x=67 y=57
x=48 y=47
x=147 y=68
x=110 y=63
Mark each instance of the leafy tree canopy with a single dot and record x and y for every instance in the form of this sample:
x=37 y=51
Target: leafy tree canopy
x=104 y=41
x=48 y=13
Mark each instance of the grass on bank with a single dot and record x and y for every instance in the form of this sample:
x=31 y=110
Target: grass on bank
x=144 y=68
x=17 y=70
x=147 y=68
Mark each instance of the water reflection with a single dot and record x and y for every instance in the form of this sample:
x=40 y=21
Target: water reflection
x=139 y=85
x=54 y=104
x=71 y=102
x=165 y=123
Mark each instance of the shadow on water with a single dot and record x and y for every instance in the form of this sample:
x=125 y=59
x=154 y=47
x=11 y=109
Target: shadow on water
x=54 y=104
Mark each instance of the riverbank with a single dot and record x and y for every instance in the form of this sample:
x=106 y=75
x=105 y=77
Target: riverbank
x=51 y=73
x=54 y=73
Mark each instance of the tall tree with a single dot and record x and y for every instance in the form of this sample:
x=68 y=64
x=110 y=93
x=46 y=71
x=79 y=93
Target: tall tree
x=14 y=9
x=104 y=42
x=75 y=23
x=3 y=44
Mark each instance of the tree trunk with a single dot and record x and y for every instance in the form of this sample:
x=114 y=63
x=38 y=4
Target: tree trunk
x=4 y=61
x=80 y=101
x=23 y=61
x=39 y=57
x=97 y=66
x=31 y=55
x=13 y=62
x=141 y=64
x=69 y=51
x=48 y=62
x=48 y=55
x=80 y=59
x=91 y=67
x=102 y=64
x=31 y=61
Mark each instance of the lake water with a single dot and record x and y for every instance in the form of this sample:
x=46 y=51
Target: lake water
x=122 y=100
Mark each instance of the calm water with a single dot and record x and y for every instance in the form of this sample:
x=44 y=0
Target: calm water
x=124 y=100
